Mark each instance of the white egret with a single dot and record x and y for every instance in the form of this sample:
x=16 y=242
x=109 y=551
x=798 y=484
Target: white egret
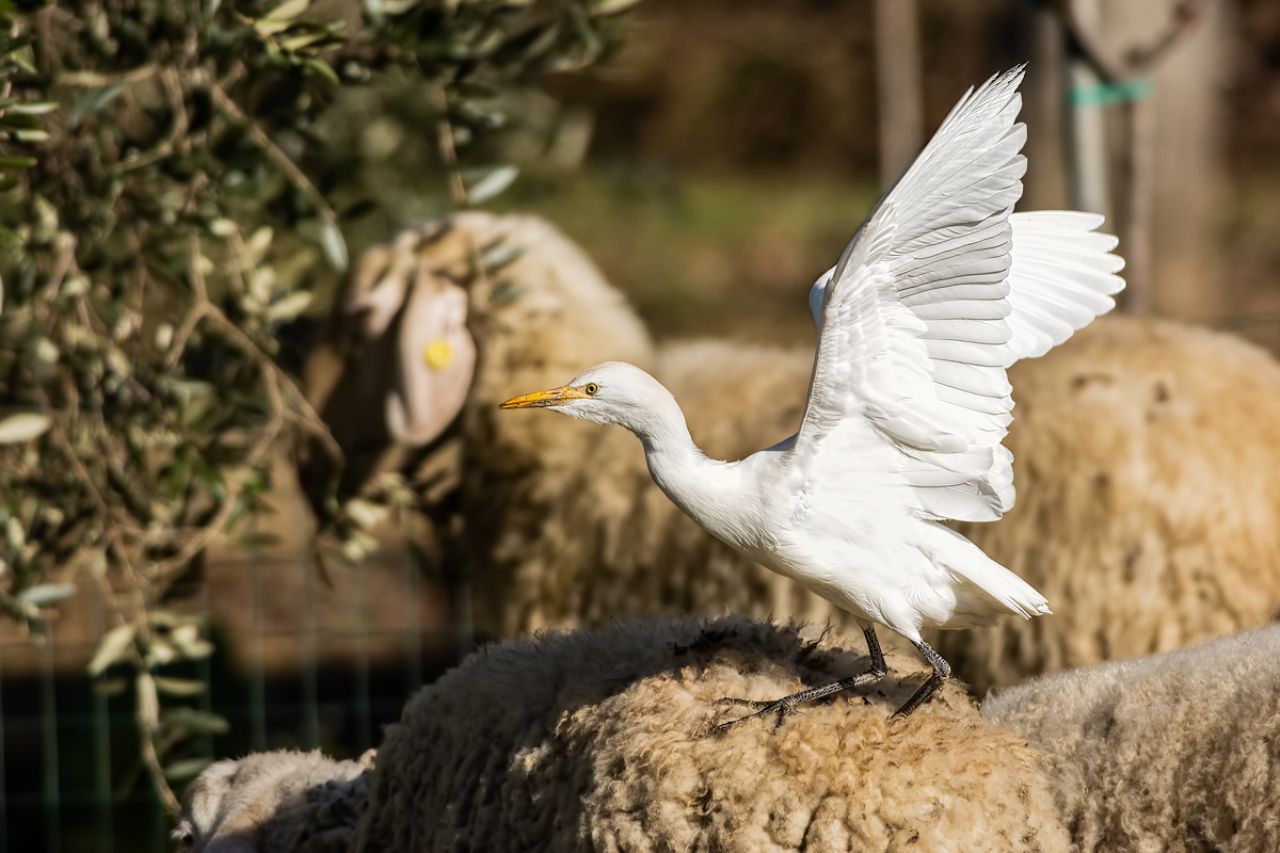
x=936 y=295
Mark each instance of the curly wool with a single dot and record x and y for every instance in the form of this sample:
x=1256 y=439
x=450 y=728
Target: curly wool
x=282 y=802
x=600 y=740
x=1180 y=751
x=1148 y=509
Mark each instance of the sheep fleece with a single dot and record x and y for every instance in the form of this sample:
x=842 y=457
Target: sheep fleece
x=1175 y=752
x=600 y=741
x=1148 y=511
x=284 y=802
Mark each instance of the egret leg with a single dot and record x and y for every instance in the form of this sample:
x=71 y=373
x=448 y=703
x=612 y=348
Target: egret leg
x=941 y=670
x=787 y=704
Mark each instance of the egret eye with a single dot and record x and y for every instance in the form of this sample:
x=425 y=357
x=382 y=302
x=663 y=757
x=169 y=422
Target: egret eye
x=591 y=389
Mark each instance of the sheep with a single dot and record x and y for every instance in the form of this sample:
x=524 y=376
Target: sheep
x=562 y=523
x=1145 y=511
x=596 y=539
x=1148 y=512
x=1180 y=751
x=601 y=740
x=282 y=802
x=1145 y=514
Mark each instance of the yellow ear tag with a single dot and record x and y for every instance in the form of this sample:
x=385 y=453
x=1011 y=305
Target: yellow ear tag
x=438 y=354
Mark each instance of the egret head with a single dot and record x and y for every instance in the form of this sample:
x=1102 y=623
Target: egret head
x=611 y=393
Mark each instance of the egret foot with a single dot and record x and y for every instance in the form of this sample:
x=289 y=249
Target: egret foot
x=787 y=704
x=941 y=671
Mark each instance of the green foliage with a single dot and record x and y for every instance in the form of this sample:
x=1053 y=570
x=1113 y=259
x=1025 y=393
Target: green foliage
x=165 y=215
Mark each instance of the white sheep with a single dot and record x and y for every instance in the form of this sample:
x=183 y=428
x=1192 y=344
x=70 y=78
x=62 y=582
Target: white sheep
x=274 y=802
x=1179 y=751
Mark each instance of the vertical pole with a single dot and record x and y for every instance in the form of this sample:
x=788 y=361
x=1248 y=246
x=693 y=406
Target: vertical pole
x=1046 y=117
x=1138 y=167
x=257 y=667
x=362 y=628
x=900 y=91
x=4 y=782
x=49 y=732
x=1088 y=127
x=310 y=660
x=101 y=744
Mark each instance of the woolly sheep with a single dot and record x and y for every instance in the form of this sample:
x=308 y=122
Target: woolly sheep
x=282 y=802
x=1180 y=751
x=1142 y=451
x=1148 y=509
x=562 y=523
x=599 y=740
x=600 y=540
x=1146 y=513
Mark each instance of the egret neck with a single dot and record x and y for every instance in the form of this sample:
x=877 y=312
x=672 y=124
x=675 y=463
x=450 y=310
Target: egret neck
x=710 y=491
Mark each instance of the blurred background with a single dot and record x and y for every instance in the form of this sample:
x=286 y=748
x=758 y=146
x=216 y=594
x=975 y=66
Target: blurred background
x=712 y=158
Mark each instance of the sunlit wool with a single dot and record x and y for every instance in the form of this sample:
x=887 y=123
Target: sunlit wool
x=937 y=294
x=597 y=740
x=1147 y=513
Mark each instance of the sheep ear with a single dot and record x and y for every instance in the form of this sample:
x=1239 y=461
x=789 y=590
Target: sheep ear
x=436 y=361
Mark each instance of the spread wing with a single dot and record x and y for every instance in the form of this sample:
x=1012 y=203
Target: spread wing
x=926 y=308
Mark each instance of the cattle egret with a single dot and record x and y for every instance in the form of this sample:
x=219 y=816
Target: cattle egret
x=940 y=291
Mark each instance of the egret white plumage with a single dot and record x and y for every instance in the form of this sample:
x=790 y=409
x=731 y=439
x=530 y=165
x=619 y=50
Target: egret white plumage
x=940 y=291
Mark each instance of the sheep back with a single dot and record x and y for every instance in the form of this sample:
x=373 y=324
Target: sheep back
x=1179 y=751
x=600 y=740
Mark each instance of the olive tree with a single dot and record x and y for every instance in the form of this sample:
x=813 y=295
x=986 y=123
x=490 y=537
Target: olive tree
x=166 y=214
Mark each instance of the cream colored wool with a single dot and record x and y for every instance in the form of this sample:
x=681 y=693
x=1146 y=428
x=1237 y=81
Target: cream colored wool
x=275 y=802
x=599 y=741
x=562 y=524
x=1175 y=752
x=1145 y=458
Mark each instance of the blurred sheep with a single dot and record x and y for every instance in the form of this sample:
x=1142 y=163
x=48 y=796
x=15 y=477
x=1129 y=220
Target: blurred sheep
x=1180 y=751
x=1148 y=508
x=600 y=740
x=274 y=802
x=562 y=524
x=1143 y=450
x=588 y=536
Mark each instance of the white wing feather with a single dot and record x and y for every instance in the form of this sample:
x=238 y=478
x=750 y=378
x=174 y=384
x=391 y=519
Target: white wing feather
x=1062 y=276
x=939 y=292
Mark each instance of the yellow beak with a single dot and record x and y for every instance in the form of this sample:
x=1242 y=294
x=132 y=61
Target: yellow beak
x=543 y=399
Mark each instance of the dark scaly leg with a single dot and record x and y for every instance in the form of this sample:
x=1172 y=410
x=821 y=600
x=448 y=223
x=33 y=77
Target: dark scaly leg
x=941 y=670
x=787 y=704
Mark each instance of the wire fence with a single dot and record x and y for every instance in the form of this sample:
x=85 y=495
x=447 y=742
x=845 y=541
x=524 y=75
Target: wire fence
x=300 y=663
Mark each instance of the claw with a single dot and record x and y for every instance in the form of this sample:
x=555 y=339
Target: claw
x=781 y=707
